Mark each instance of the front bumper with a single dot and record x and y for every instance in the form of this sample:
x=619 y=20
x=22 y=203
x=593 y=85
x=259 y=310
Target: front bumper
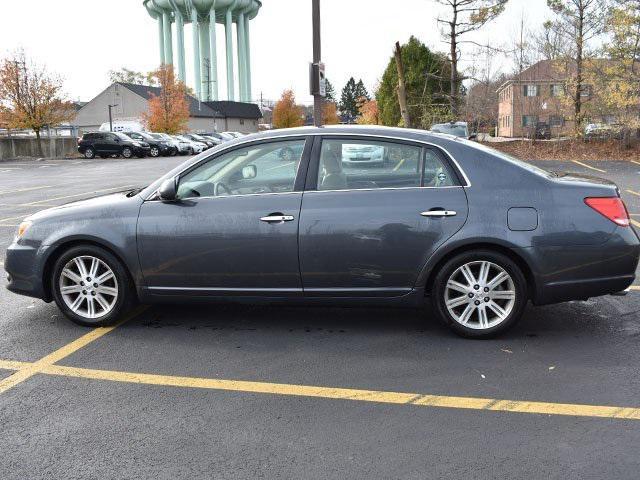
x=25 y=271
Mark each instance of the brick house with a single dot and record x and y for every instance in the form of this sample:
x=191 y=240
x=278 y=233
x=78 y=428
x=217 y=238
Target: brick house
x=538 y=94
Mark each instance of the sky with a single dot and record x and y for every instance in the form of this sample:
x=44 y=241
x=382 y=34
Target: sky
x=81 y=40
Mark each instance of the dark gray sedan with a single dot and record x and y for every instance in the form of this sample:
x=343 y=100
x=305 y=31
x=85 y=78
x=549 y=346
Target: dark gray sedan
x=478 y=232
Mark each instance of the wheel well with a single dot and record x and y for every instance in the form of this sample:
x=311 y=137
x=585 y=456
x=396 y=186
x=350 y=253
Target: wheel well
x=60 y=249
x=526 y=270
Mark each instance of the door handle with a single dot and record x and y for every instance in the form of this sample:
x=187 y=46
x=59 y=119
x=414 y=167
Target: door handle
x=277 y=218
x=439 y=213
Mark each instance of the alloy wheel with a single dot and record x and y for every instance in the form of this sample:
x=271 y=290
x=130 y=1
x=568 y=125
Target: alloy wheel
x=126 y=152
x=480 y=295
x=88 y=287
x=154 y=152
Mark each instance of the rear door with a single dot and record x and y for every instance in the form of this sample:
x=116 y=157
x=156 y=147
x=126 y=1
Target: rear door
x=368 y=230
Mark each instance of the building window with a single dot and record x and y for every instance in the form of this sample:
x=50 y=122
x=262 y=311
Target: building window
x=529 y=120
x=556 y=120
x=241 y=121
x=530 y=90
x=557 y=90
x=585 y=91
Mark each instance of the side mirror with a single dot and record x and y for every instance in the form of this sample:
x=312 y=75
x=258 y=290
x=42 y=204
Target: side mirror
x=168 y=190
x=250 y=171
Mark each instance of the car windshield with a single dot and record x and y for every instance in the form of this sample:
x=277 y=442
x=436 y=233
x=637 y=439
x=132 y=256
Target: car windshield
x=122 y=136
x=196 y=137
x=457 y=130
x=157 y=136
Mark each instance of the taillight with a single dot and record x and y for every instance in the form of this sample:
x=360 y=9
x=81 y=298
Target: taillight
x=611 y=207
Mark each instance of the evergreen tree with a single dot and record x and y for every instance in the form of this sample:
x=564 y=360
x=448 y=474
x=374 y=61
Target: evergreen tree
x=427 y=83
x=361 y=91
x=348 y=99
x=331 y=92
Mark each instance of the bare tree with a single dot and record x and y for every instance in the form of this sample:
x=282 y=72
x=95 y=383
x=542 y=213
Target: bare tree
x=464 y=16
x=582 y=21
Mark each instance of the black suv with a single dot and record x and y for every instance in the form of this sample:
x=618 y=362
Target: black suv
x=108 y=144
x=156 y=147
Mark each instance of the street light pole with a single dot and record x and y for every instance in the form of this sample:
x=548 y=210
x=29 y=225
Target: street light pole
x=110 y=119
x=317 y=55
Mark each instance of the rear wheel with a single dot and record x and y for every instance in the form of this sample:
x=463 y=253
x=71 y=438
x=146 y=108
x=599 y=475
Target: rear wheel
x=479 y=294
x=91 y=286
x=89 y=153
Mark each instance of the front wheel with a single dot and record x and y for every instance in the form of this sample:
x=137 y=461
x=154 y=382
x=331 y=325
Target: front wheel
x=479 y=294
x=91 y=286
x=154 y=152
x=127 y=152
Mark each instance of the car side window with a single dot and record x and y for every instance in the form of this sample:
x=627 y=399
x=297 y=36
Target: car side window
x=260 y=168
x=347 y=164
x=437 y=172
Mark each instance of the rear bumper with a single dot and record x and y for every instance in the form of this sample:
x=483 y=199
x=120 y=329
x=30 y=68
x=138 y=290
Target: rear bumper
x=582 y=272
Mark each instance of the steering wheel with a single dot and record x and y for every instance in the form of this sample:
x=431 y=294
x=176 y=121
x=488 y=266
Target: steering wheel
x=221 y=186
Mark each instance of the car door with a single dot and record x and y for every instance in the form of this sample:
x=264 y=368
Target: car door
x=100 y=143
x=111 y=143
x=368 y=229
x=233 y=229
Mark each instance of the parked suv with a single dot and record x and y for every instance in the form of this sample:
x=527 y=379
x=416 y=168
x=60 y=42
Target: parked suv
x=107 y=144
x=157 y=147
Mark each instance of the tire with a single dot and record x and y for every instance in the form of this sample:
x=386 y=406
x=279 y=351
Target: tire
x=460 y=304
x=127 y=152
x=154 y=152
x=89 y=153
x=110 y=300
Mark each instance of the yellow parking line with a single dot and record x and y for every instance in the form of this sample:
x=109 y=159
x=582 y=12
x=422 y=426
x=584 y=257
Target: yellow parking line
x=39 y=366
x=633 y=161
x=634 y=287
x=589 y=166
x=633 y=192
x=312 y=391
x=114 y=189
x=635 y=223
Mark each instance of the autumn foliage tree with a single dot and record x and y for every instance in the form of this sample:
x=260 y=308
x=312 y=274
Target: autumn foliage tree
x=30 y=97
x=330 y=113
x=169 y=110
x=369 y=112
x=286 y=113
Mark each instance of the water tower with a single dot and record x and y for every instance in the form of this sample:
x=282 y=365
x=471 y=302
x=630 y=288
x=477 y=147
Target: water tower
x=204 y=15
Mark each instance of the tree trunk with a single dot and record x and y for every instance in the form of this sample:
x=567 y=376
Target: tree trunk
x=402 y=89
x=577 y=101
x=453 y=101
x=39 y=143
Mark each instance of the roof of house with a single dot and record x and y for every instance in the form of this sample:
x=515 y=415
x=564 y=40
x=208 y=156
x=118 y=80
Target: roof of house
x=218 y=109
x=231 y=109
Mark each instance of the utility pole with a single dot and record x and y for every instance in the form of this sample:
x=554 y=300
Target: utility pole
x=317 y=55
x=110 y=118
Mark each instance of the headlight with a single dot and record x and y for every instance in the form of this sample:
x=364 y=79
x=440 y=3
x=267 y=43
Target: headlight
x=22 y=228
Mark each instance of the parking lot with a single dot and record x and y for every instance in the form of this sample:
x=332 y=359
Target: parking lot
x=226 y=391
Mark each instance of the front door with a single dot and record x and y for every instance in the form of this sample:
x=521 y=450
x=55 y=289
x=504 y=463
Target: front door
x=375 y=212
x=234 y=229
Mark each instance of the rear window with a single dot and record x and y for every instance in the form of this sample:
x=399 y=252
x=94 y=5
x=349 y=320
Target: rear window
x=91 y=136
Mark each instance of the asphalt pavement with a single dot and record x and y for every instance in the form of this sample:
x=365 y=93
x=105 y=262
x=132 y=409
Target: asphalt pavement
x=234 y=392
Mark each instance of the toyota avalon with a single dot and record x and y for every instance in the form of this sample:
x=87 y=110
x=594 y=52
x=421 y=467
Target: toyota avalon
x=476 y=232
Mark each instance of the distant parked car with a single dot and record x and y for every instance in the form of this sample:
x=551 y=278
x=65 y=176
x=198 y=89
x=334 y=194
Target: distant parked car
x=233 y=134
x=457 y=129
x=543 y=131
x=363 y=154
x=122 y=126
x=215 y=137
x=194 y=147
x=168 y=139
x=107 y=144
x=198 y=138
x=604 y=130
x=157 y=146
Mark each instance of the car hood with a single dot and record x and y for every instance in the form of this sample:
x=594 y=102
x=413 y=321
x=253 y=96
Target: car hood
x=95 y=204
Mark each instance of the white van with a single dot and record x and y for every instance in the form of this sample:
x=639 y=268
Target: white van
x=123 y=126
